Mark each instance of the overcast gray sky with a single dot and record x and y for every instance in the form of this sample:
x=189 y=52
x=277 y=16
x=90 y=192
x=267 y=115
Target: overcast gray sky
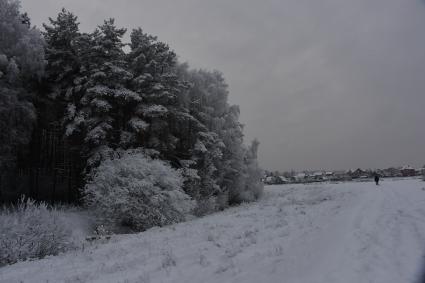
x=329 y=84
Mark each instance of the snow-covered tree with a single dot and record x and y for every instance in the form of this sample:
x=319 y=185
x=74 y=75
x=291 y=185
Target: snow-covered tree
x=130 y=189
x=63 y=65
x=207 y=147
x=157 y=119
x=220 y=158
x=98 y=110
x=21 y=65
x=254 y=186
x=234 y=154
x=20 y=42
x=108 y=102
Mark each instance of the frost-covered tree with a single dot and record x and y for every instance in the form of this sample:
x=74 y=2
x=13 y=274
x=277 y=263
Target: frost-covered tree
x=219 y=156
x=234 y=154
x=158 y=118
x=207 y=103
x=253 y=173
x=20 y=42
x=21 y=66
x=133 y=190
x=98 y=111
x=108 y=102
x=63 y=65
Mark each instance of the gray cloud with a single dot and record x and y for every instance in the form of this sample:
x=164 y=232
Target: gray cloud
x=322 y=84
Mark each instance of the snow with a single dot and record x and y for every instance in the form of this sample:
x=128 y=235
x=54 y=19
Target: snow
x=81 y=221
x=347 y=232
x=138 y=124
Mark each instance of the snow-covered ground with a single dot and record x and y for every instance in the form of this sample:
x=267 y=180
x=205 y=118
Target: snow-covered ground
x=349 y=232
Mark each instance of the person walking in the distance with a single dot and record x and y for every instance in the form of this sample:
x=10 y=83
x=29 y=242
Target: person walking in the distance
x=376 y=179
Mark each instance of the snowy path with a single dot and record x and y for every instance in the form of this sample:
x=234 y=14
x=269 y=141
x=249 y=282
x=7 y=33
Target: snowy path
x=352 y=232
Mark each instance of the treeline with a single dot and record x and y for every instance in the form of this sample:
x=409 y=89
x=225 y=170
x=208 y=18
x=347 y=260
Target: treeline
x=107 y=104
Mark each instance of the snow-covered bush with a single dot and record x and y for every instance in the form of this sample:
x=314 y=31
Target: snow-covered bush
x=31 y=230
x=136 y=191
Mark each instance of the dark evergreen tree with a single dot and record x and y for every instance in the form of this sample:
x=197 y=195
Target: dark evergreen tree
x=98 y=112
x=61 y=53
x=21 y=67
x=159 y=117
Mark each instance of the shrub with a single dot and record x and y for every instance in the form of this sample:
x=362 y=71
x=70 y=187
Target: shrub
x=133 y=190
x=31 y=230
x=205 y=207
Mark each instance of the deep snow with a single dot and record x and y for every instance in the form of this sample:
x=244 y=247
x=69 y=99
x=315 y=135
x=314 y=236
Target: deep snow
x=348 y=232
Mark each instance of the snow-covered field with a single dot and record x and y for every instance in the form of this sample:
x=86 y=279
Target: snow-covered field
x=349 y=232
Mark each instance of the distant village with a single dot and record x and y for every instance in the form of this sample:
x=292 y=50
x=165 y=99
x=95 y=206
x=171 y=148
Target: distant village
x=271 y=178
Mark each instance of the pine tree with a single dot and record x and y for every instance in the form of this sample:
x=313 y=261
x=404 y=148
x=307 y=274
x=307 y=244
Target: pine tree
x=162 y=117
x=62 y=74
x=99 y=112
x=61 y=53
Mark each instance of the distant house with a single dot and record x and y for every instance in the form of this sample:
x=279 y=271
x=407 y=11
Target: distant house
x=317 y=176
x=358 y=173
x=300 y=177
x=391 y=172
x=269 y=180
x=329 y=174
x=273 y=180
x=341 y=176
x=283 y=180
x=408 y=171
